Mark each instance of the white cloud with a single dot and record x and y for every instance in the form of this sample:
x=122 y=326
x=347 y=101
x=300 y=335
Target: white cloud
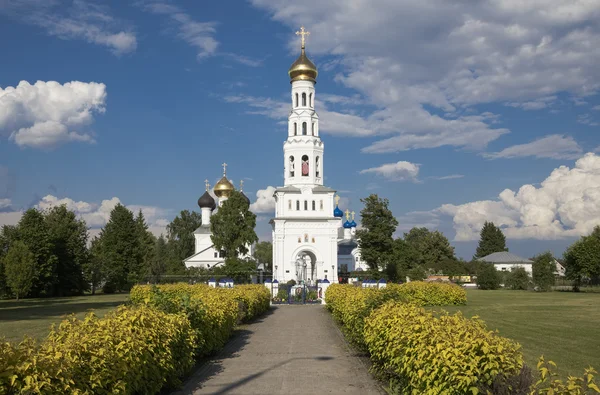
x=553 y=146
x=265 y=202
x=79 y=21
x=448 y=177
x=586 y=119
x=597 y=108
x=10 y=218
x=537 y=104
x=4 y=203
x=48 y=114
x=566 y=204
x=399 y=171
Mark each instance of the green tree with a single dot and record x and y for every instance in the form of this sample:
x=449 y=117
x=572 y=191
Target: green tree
x=233 y=226
x=119 y=250
x=147 y=242
x=8 y=234
x=238 y=269
x=491 y=240
x=518 y=278
x=19 y=267
x=180 y=240
x=92 y=270
x=430 y=248
x=68 y=237
x=263 y=253
x=543 y=271
x=417 y=273
x=582 y=259
x=375 y=237
x=401 y=259
x=158 y=261
x=488 y=277
x=33 y=231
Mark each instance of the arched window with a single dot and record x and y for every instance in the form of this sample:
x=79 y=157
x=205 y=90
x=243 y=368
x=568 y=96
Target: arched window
x=305 y=165
x=292 y=166
x=289 y=204
x=310 y=102
x=305 y=205
x=317 y=167
x=313 y=129
x=304 y=128
x=314 y=205
x=296 y=104
x=216 y=254
x=306 y=237
x=295 y=129
x=304 y=100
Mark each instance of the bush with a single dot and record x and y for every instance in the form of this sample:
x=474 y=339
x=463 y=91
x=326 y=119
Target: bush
x=131 y=350
x=488 y=277
x=550 y=384
x=518 y=278
x=428 y=293
x=543 y=271
x=425 y=353
x=417 y=274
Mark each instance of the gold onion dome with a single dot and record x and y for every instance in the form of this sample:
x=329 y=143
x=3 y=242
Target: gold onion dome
x=224 y=187
x=303 y=69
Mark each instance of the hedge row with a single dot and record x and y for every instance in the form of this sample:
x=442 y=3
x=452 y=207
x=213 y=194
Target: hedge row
x=130 y=350
x=350 y=305
x=431 y=354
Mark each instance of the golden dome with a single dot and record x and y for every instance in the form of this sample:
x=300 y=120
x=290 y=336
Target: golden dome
x=303 y=69
x=224 y=187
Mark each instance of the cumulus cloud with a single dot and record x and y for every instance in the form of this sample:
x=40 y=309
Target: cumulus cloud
x=47 y=114
x=399 y=171
x=566 y=204
x=78 y=21
x=265 y=202
x=554 y=146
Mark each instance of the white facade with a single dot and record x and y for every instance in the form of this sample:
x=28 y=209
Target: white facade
x=507 y=267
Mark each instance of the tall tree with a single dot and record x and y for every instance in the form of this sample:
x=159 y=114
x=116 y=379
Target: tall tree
x=158 y=261
x=582 y=259
x=180 y=240
x=119 y=250
x=233 y=226
x=8 y=234
x=430 y=248
x=33 y=231
x=491 y=240
x=402 y=258
x=68 y=236
x=92 y=270
x=263 y=253
x=146 y=250
x=19 y=268
x=543 y=269
x=375 y=237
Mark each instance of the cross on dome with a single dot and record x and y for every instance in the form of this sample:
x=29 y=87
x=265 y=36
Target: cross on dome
x=337 y=200
x=224 y=169
x=353 y=215
x=241 y=185
x=207 y=184
x=348 y=214
x=302 y=33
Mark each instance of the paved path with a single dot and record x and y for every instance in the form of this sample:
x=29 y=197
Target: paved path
x=292 y=350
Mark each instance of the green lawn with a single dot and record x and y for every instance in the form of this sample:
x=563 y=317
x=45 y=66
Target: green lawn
x=562 y=326
x=34 y=317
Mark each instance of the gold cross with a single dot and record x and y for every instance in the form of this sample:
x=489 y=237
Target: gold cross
x=241 y=185
x=337 y=200
x=302 y=33
x=207 y=185
x=347 y=214
x=353 y=215
x=224 y=168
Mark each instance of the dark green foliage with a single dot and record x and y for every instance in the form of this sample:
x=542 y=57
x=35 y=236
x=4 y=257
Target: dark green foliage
x=238 y=269
x=68 y=236
x=233 y=226
x=430 y=248
x=146 y=249
x=8 y=234
x=92 y=270
x=582 y=259
x=543 y=271
x=417 y=273
x=19 y=266
x=263 y=253
x=180 y=240
x=375 y=238
x=488 y=277
x=158 y=260
x=491 y=240
x=401 y=259
x=517 y=278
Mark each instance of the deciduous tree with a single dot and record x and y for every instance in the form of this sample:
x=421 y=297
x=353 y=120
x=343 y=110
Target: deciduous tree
x=582 y=259
x=491 y=240
x=375 y=237
x=543 y=268
x=488 y=277
x=263 y=253
x=158 y=261
x=233 y=226
x=430 y=248
x=517 y=279
x=180 y=240
x=19 y=266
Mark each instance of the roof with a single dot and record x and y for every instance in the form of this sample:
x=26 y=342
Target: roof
x=504 y=257
x=202 y=230
x=288 y=189
x=322 y=189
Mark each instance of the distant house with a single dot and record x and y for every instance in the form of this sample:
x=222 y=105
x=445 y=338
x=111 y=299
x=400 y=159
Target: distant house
x=505 y=261
x=560 y=269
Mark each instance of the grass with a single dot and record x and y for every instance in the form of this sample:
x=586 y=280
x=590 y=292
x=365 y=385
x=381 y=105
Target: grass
x=561 y=326
x=33 y=317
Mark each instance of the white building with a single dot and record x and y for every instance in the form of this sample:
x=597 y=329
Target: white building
x=205 y=254
x=505 y=261
x=307 y=224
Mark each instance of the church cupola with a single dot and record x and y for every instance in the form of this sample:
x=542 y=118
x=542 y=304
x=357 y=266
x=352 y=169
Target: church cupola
x=223 y=187
x=243 y=194
x=338 y=213
x=207 y=205
x=303 y=69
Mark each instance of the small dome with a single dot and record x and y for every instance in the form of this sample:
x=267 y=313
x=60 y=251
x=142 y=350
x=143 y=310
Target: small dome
x=347 y=225
x=207 y=201
x=303 y=69
x=353 y=224
x=245 y=197
x=337 y=212
x=223 y=188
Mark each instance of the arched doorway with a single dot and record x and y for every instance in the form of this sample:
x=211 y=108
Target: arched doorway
x=306 y=267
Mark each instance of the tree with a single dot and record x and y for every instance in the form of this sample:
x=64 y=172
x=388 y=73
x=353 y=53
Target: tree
x=491 y=240
x=582 y=259
x=375 y=237
x=92 y=270
x=543 y=268
x=238 y=269
x=19 y=267
x=263 y=253
x=417 y=273
x=180 y=240
x=8 y=234
x=430 y=248
x=146 y=249
x=119 y=250
x=158 y=261
x=488 y=277
x=401 y=259
x=33 y=231
x=68 y=236
x=518 y=278
x=232 y=226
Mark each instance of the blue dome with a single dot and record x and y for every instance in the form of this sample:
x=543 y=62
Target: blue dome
x=353 y=224
x=337 y=212
x=347 y=225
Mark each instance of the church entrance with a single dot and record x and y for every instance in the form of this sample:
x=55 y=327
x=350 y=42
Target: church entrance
x=304 y=287
x=306 y=267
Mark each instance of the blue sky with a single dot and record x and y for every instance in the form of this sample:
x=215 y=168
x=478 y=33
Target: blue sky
x=437 y=107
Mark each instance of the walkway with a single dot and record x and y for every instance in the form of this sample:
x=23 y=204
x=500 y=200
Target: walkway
x=292 y=350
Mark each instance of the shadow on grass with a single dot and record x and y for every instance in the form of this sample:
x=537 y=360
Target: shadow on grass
x=52 y=309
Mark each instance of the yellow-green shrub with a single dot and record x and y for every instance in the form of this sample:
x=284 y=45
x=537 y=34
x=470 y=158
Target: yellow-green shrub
x=550 y=384
x=130 y=350
x=429 y=293
x=429 y=354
